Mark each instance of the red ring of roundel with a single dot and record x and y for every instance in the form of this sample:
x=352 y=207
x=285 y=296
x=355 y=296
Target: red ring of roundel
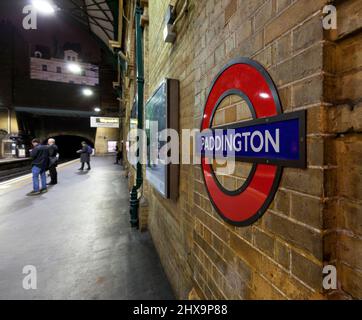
x=252 y=79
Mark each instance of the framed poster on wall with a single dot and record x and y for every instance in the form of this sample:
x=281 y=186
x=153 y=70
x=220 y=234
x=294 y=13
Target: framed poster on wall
x=132 y=139
x=161 y=113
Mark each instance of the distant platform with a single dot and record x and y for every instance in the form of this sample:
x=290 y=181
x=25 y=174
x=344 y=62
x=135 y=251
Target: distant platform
x=11 y=160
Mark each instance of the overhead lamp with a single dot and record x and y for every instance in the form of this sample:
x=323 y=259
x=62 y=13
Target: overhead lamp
x=168 y=33
x=74 y=68
x=43 y=6
x=97 y=109
x=87 y=92
x=169 y=36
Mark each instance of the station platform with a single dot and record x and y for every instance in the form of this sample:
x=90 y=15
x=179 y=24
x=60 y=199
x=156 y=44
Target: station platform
x=78 y=238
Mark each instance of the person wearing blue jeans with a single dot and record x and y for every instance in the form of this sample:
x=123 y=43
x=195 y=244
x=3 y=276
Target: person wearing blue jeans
x=36 y=173
x=40 y=163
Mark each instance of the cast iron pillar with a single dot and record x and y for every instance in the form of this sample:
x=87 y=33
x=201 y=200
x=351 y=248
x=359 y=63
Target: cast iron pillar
x=134 y=201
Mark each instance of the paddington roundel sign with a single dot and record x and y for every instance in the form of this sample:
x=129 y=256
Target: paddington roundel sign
x=271 y=141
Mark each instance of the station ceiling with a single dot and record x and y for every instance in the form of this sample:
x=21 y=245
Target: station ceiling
x=100 y=17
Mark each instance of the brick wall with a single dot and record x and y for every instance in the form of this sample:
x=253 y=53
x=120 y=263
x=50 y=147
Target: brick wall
x=4 y=120
x=102 y=136
x=315 y=218
x=343 y=213
x=174 y=220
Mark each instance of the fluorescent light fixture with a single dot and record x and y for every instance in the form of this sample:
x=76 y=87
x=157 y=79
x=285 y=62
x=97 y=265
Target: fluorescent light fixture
x=97 y=109
x=87 y=92
x=43 y=6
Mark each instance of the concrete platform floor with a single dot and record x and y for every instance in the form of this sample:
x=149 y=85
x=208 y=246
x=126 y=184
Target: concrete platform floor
x=79 y=239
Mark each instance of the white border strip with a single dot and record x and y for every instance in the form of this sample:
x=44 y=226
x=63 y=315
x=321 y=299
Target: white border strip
x=28 y=176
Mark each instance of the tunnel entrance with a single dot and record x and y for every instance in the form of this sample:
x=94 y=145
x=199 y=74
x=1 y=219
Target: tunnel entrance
x=68 y=146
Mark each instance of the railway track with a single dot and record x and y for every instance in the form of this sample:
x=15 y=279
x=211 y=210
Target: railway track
x=17 y=169
x=14 y=173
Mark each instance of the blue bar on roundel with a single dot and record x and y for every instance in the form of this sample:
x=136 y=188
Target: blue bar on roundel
x=278 y=140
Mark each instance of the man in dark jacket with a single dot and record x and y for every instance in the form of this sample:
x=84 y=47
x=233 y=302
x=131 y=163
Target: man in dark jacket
x=85 y=154
x=53 y=162
x=40 y=157
x=118 y=155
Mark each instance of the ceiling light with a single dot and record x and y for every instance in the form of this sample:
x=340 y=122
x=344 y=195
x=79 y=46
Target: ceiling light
x=74 y=68
x=43 y=6
x=87 y=92
x=97 y=109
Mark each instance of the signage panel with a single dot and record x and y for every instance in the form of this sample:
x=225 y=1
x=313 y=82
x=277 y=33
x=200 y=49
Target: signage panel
x=161 y=112
x=156 y=111
x=104 y=122
x=275 y=140
x=271 y=141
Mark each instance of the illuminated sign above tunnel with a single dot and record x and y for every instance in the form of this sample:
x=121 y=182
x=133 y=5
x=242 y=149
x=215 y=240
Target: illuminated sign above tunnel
x=104 y=122
x=270 y=141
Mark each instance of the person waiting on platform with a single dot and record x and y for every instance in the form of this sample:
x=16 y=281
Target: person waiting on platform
x=85 y=154
x=40 y=162
x=118 y=155
x=53 y=162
